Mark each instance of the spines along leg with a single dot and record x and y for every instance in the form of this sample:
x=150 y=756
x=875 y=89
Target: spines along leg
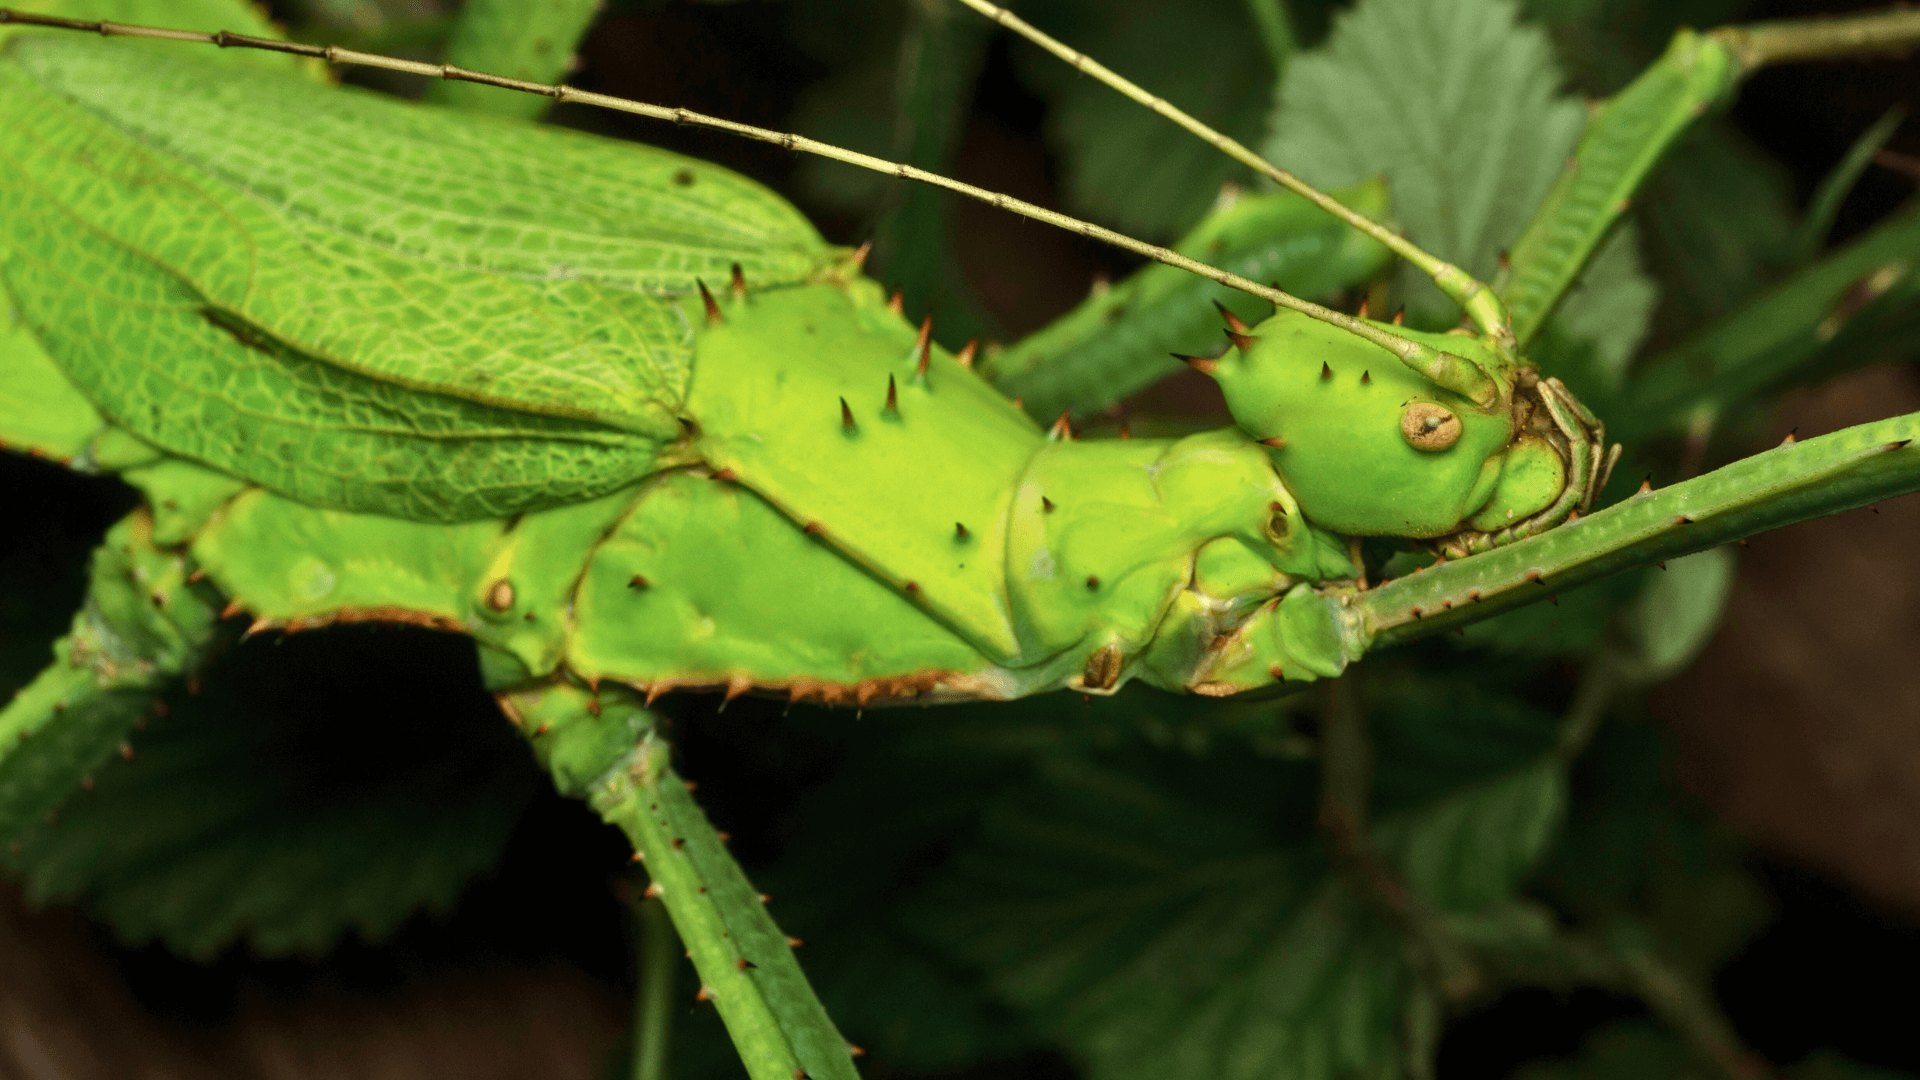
x=143 y=624
x=605 y=748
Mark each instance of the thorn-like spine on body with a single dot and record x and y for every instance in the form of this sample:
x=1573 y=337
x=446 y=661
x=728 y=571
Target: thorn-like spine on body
x=739 y=283
x=1198 y=363
x=714 y=318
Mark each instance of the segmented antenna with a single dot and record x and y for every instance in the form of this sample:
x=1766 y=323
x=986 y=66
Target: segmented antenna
x=1479 y=301
x=1445 y=369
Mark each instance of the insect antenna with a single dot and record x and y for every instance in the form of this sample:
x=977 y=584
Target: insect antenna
x=1488 y=313
x=1453 y=372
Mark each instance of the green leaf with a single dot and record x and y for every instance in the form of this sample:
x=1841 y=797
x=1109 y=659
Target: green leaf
x=521 y=39
x=1858 y=305
x=1173 y=914
x=1459 y=107
x=248 y=815
x=1716 y=221
x=1838 y=184
x=1679 y=611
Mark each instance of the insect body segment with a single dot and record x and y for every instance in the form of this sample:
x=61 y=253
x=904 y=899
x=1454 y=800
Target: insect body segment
x=1372 y=448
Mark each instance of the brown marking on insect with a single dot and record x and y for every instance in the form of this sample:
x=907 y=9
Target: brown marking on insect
x=1474 y=596
x=725 y=836
x=543 y=728
x=350 y=616
x=1233 y=321
x=1428 y=426
x=1276 y=672
x=1126 y=430
x=260 y=626
x=725 y=474
x=960 y=532
x=1325 y=371
x=500 y=595
x=638 y=581
x=897 y=303
x=1897 y=445
x=1243 y=342
x=705 y=994
x=765 y=899
x=159 y=597
x=1662 y=564
x=1046 y=505
x=1789 y=440
x=1198 y=363
x=1366 y=378
x=714 y=318
x=913 y=589
x=737 y=686
x=743 y=964
x=1400 y=316
x=1361 y=311
x=593 y=707
x=794 y=943
x=1019 y=403
x=1093 y=583
x=679 y=842
x=1646 y=486
x=199 y=575
x=813 y=528
x=965 y=356
x=126 y=751
x=1103 y=667
x=1278 y=507
x=739 y=283
x=234 y=607
x=1415 y=612
x=859 y=257
x=924 y=346
x=855 y=1050
x=655 y=690
x=1062 y=429
x=1534 y=576
x=892 y=407
x=1446 y=605
x=846 y=417
x=1683 y=520
x=653 y=890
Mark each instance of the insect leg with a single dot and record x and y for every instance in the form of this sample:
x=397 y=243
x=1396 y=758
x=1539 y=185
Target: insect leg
x=605 y=747
x=143 y=624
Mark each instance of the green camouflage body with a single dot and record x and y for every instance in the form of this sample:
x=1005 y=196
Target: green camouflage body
x=461 y=376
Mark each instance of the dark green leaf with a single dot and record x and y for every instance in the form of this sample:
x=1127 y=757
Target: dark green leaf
x=252 y=814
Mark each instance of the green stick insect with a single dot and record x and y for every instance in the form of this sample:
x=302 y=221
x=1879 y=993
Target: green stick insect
x=626 y=421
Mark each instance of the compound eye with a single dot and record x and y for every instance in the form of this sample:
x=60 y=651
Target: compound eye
x=1427 y=426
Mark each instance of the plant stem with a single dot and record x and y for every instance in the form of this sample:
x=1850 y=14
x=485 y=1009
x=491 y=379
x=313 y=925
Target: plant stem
x=653 y=997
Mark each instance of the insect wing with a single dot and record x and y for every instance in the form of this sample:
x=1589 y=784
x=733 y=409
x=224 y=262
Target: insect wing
x=447 y=264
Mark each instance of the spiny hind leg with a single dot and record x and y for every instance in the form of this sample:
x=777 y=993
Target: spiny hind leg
x=604 y=746
x=143 y=623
